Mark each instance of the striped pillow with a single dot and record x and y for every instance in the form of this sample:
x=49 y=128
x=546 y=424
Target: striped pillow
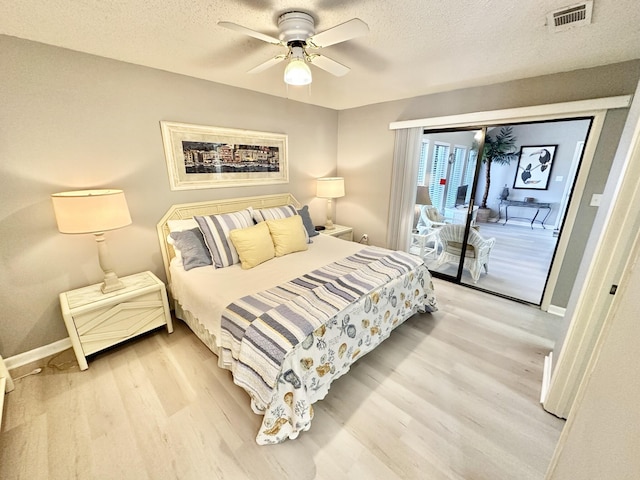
x=215 y=230
x=276 y=213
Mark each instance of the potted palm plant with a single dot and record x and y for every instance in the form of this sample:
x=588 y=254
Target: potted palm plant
x=500 y=150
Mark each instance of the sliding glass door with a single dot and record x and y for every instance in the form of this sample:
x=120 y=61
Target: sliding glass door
x=506 y=248
x=445 y=207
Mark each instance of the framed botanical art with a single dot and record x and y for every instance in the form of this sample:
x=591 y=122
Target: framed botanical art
x=534 y=167
x=199 y=156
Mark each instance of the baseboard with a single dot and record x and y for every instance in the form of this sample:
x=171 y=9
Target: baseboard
x=546 y=376
x=555 y=310
x=37 y=354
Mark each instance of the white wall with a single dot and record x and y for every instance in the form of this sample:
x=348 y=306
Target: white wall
x=565 y=134
x=602 y=436
x=72 y=121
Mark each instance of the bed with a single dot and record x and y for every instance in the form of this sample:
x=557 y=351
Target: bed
x=288 y=326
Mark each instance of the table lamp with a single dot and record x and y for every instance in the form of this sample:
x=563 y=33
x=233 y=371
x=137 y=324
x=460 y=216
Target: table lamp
x=422 y=198
x=330 y=188
x=94 y=211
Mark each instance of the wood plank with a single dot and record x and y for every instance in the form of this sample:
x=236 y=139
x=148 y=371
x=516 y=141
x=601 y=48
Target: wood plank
x=450 y=395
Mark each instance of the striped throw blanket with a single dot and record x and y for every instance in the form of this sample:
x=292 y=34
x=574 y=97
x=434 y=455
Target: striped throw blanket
x=259 y=330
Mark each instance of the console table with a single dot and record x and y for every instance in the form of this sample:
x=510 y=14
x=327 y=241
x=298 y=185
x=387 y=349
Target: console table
x=519 y=203
x=459 y=214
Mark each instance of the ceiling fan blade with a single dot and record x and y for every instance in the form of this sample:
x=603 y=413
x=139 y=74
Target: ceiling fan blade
x=252 y=33
x=340 y=33
x=328 y=65
x=268 y=64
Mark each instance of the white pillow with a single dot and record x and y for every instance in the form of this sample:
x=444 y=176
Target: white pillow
x=182 y=225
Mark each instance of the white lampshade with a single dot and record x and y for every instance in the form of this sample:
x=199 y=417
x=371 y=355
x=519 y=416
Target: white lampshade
x=297 y=72
x=90 y=211
x=330 y=187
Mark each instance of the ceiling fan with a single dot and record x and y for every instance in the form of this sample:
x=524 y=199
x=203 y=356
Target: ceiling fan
x=297 y=33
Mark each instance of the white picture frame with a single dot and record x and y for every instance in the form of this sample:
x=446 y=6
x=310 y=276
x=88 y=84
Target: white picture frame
x=200 y=156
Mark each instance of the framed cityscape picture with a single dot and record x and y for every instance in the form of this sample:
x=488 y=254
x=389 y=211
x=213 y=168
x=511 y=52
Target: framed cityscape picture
x=199 y=156
x=534 y=167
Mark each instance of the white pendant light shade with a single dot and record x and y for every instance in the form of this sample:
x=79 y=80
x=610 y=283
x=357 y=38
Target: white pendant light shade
x=297 y=72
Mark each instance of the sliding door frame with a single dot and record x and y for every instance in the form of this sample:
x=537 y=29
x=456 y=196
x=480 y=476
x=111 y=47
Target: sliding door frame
x=482 y=130
x=595 y=108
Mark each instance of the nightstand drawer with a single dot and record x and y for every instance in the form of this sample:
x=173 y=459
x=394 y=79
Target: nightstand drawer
x=104 y=327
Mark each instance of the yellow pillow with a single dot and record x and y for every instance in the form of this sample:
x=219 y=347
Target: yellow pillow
x=253 y=244
x=288 y=235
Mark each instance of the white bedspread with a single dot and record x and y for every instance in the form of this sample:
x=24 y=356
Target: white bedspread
x=224 y=285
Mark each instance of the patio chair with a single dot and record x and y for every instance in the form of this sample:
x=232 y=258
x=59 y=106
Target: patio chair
x=424 y=239
x=430 y=219
x=477 y=252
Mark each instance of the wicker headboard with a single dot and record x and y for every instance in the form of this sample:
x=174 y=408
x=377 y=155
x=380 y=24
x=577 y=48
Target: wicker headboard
x=189 y=210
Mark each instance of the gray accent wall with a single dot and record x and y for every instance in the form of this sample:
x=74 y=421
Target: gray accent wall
x=71 y=121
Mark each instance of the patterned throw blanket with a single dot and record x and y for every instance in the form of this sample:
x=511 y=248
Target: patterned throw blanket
x=259 y=330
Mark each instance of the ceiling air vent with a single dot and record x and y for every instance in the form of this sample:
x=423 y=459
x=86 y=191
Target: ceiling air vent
x=571 y=16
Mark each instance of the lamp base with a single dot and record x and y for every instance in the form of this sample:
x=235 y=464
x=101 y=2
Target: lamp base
x=329 y=223
x=111 y=283
x=111 y=280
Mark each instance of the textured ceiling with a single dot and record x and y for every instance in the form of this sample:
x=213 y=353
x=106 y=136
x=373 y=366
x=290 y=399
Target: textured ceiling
x=415 y=47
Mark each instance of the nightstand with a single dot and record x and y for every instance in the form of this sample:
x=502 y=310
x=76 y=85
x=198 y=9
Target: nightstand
x=342 y=232
x=97 y=320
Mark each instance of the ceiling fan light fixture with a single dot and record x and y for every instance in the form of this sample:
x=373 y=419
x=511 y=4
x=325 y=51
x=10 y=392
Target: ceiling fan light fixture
x=297 y=72
x=297 y=33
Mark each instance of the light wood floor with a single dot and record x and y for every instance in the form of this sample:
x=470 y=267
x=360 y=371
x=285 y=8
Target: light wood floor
x=450 y=395
x=519 y=261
